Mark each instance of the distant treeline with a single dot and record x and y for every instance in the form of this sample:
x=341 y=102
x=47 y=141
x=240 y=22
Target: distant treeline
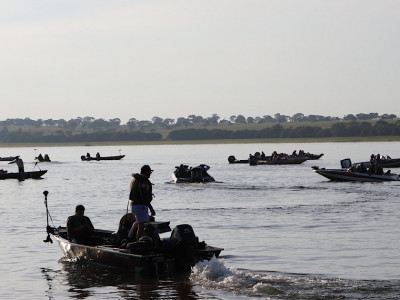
x=191 y=120
x=352 y=129
x=194 y=127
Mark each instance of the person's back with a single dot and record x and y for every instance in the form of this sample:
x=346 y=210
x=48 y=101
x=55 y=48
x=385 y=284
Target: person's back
x=79 y=227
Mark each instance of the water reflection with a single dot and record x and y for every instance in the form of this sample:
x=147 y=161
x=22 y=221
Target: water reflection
x=82 y=281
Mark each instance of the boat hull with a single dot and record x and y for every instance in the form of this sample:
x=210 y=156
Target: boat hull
x=109 y=257
x=282 y=161
x=346 y=175
x=205 y=179
x=26 y=175
x=145 y=261
x=117 y=157
x=8 y=158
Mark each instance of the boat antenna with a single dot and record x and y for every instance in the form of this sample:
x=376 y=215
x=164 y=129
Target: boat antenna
x=48 y=228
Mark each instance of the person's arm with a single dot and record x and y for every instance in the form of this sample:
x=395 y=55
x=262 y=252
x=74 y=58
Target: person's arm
x=152 y=211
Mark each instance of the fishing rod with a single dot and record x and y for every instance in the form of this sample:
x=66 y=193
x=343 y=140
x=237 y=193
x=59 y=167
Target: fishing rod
x=48 y=228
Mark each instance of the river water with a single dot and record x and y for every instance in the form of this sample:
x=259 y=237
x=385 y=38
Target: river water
x=288 y=233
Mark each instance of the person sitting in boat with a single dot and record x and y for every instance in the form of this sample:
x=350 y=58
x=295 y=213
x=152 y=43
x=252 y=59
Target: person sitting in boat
x=294 y=153
x=362 y=168
x=79 y=227
x=97 y=155
x=46 y=157
x=372 y=168
x=262 y=154
x=88 y=154
x=379 y=170
x=40 y=157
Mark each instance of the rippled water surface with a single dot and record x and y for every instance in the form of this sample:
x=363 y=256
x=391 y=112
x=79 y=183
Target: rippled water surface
x=287 y=232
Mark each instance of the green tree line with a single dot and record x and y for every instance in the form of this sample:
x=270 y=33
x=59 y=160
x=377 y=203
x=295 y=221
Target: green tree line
x=193 y=127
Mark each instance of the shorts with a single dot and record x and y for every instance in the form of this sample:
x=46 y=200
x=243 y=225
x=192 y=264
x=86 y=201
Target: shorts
x=141 y=212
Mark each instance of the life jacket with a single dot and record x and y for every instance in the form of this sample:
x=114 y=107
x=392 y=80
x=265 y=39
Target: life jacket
x=141 y=191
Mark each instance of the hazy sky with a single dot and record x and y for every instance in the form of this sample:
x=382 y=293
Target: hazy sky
x=140 y=59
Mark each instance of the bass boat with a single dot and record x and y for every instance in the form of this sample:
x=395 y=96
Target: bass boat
x=98 y=158
x=152 y=254
x=356 y=172
x=8 y=158
x=186 y=174
x=25 y=175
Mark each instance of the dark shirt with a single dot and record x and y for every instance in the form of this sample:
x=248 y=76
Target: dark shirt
x=74 y=222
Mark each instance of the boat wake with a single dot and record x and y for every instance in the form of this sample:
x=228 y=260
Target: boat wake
x=215 y=275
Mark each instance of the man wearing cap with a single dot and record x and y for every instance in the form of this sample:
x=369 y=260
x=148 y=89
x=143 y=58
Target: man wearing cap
x=141 y=194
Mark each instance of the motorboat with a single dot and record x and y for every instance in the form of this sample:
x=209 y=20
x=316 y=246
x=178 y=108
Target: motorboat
x=152 y=254
x=275 y=158
x=98 y=158
x=385 y=163
x=186 y=174
x=8 y=158
x=15 y=175
x=356 y=172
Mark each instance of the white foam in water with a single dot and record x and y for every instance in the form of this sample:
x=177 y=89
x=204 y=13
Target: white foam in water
x=214 y=274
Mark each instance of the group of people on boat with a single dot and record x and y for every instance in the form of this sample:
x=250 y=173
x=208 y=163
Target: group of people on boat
x=301 y=153
x=277 y=156
x=97 y=155
x=80 y=227
x=43 y=158
x=378 y=157
x=374 y=168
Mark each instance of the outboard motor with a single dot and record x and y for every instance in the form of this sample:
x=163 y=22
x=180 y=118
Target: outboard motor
x=183 y=243
x=196 y=174
x=231 y=159
x=345 y=163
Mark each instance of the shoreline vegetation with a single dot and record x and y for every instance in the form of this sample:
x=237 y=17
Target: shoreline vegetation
x=89 y=131
x=200 y=142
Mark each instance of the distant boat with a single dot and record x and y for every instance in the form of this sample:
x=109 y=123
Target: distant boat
x=26 y=175
x=186 y=174
x=88 y=158
x=385 y=163
x=8 y=158
x=355 y=172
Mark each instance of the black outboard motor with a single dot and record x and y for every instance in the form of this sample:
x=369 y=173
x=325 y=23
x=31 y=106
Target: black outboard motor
x=184 y=242
x=345 y=163
x=231 y=159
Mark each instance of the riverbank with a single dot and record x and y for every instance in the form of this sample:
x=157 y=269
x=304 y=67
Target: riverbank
x=227 y=141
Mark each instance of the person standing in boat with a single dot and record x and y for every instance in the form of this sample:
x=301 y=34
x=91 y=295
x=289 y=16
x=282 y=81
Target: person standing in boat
x=141 y=195
x=20 y=164
x=79 y=227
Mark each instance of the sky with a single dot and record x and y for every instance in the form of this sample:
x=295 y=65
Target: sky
x=63 y=59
